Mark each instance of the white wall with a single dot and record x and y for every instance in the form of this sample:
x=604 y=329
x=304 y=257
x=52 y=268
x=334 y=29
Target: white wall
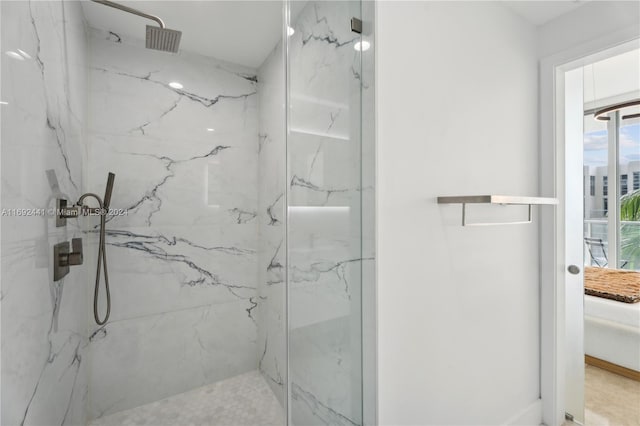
x=458 y=307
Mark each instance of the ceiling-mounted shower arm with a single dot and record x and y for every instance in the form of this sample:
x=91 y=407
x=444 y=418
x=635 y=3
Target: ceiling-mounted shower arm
x=131 y=10
x=157 y=38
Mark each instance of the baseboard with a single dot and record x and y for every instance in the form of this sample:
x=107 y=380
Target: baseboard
x=531 y=415
x=613 y=368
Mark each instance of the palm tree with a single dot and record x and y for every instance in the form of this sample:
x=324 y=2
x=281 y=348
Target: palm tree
x=630 y=206
x=630 y=233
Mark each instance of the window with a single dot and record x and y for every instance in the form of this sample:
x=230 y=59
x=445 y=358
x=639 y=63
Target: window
x=595 y=169
x=611 y=149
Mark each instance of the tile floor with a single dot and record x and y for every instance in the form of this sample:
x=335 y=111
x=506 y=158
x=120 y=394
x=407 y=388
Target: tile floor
x=244 y=400
x=247 y=400
x=610 y=399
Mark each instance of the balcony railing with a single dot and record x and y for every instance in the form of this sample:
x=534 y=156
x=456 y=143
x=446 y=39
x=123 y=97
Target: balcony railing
x=629 y=241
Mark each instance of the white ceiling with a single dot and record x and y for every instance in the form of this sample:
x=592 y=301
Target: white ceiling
x=542 y=11
x=245 y=31
x=612 y=78
x=242 y=32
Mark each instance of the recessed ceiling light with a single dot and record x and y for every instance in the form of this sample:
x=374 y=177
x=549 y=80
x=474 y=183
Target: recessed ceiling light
x=14 y=55
x=362 y=46
x=210 y=129
x=290 y=31
x=24 y=54
x=176 y=85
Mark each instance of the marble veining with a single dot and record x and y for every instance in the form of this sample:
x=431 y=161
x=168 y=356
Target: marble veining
x=168 y=163
x=205 y=101
x=165 y=249
x=318 y=410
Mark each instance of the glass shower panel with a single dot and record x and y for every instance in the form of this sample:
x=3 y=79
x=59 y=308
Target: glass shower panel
x=324 y=199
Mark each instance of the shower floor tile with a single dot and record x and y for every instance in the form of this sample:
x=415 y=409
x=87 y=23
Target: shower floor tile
x=244 y=400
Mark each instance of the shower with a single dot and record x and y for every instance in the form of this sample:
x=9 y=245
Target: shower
x=239 y=245
x=157 y=38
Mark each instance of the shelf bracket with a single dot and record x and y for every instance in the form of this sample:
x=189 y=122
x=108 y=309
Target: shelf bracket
x=520 y=222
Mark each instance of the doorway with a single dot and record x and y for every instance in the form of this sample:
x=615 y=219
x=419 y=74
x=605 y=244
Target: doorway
x=601 y=230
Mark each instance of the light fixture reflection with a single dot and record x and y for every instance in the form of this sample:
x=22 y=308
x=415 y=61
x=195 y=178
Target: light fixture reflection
x=176 y=85
x=603 y=114
x=24 y=54
x=290 y=31
x=14 y=55
x=211 y=129
x=362 y=46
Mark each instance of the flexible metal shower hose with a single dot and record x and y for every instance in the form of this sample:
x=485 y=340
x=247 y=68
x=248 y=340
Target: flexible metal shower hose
x=102 y=261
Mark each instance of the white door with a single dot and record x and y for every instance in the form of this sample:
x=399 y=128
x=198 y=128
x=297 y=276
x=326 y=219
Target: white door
x=574 y=246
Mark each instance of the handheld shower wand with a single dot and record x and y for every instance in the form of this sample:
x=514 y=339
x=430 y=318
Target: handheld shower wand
x=108 y=190
x=102 y=254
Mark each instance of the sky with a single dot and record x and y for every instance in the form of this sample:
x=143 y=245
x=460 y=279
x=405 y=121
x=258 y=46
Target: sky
x=595 y=146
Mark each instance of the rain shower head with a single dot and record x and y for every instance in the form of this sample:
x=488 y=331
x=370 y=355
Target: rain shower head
x=158 y=38
x=163 y=39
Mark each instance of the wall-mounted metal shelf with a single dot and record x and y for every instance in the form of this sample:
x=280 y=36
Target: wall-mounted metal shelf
x=496 y=199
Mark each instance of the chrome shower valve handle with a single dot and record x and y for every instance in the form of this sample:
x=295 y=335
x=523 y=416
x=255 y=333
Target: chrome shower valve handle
x=74 y=257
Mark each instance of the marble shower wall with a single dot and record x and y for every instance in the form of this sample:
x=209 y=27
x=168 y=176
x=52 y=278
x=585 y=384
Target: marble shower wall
x=183 y=262
x=44 y=323
x=272 y=328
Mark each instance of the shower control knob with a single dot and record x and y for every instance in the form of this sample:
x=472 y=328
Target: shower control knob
x=75 y=257
x=63 y=258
